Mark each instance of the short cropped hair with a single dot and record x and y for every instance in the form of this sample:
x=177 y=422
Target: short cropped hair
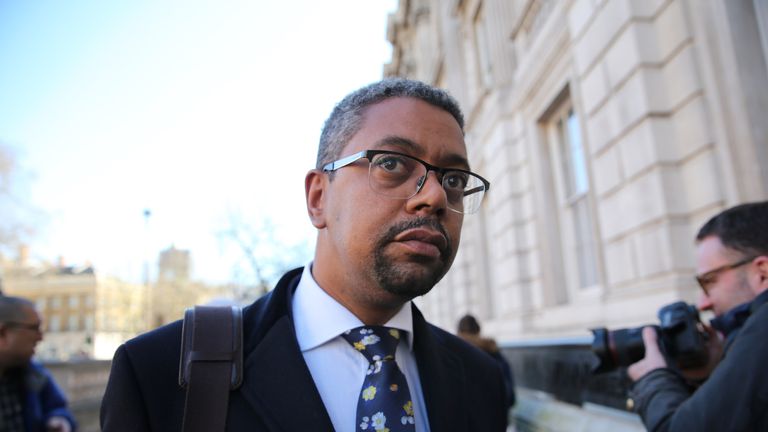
x=743 y=228
x=468 y=324
x=346 y=118
x=12 y=308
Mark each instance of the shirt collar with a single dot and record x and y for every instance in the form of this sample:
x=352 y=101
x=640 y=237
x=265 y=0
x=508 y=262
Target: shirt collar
x=319 y=318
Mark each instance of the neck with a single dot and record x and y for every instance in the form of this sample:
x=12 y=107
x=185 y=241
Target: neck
x=370 y=303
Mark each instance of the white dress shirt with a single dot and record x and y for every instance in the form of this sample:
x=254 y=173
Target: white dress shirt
x=336 y=367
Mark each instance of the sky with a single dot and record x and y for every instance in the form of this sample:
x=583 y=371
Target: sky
x=201 y=111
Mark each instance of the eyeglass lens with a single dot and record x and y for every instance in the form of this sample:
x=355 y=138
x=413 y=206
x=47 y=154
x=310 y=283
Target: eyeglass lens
x=400 y=176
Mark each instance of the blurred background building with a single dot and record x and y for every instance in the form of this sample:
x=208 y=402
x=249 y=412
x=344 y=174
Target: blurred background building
x=610 y=131
x=88 y=315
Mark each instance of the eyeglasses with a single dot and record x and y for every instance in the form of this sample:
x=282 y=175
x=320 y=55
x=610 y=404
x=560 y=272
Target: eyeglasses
x=708 y=278
x=400 y=176
x=29 y=326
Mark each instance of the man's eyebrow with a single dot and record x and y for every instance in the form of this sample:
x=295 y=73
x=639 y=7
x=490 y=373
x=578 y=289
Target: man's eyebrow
x=402 y=143
x=411 y=147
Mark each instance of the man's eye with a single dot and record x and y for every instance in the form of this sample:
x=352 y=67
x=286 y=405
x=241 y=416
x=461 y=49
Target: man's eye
x=390 y=163
x=455 y=180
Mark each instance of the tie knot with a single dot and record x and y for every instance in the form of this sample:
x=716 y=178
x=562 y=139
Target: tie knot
x=376 y=343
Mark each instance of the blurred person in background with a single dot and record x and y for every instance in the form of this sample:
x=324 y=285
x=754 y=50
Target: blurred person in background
x=469 y=330
x=30 y=400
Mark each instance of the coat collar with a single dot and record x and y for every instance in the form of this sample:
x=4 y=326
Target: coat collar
x=274 y=362
x=277 y=380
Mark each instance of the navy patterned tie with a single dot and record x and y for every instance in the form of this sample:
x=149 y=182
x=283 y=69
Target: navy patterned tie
x=385 y=402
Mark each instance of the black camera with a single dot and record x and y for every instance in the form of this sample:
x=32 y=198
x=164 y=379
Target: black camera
x=680 y=340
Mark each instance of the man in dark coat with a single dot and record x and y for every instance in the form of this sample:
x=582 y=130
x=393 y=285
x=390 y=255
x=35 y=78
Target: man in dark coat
x=732 y=264
x=388 y=196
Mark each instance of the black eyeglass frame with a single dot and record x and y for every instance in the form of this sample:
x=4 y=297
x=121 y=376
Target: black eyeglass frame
x=38 y=327
x=704 y=279
x=369 y=154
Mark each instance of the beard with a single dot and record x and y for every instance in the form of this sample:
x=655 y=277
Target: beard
x=401 y=279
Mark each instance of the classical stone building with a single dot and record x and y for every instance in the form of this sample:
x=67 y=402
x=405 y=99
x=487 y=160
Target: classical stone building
x=85 y=315
x=175 y=290
x=610 y=131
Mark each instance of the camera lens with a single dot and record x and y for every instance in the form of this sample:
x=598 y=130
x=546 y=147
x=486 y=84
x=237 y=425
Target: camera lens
x=617 y=348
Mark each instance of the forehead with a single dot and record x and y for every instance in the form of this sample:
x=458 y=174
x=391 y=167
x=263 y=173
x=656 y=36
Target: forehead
x=433 y=133
x=29 y=313
x=711 y=253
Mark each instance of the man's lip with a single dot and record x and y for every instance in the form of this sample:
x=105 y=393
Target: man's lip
x=425 y=236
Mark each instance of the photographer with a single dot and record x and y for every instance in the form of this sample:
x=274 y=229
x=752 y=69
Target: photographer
x=732 y=266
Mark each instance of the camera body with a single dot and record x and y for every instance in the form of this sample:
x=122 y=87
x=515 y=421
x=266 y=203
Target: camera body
x=680 y=340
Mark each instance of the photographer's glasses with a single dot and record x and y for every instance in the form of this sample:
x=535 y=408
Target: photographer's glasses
x=400 y=176
x=707 y=279
x=35 y=327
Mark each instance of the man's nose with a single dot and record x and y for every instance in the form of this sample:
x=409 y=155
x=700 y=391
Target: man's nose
x=431 y=194
x=704 y=302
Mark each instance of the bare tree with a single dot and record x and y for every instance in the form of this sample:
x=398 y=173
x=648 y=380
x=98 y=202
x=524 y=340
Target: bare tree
x=263 y=257
x=18 y=216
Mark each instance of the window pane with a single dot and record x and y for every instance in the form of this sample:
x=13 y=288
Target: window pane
x=585 y=248
x=72 y=324
x=580 y=243
x=55 y=324
x=578 y=163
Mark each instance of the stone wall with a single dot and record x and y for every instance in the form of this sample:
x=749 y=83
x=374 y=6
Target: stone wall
x=653 y=104
x=83 y=383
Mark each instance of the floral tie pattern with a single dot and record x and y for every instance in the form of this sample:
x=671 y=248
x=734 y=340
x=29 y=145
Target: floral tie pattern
x=385 y=402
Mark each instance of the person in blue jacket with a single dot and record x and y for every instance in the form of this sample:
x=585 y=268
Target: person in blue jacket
x=30 y=400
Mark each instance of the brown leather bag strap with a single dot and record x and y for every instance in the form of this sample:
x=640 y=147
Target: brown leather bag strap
x=210 y=365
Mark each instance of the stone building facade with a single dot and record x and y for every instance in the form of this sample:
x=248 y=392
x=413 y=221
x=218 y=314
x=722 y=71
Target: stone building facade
x=84 y=315
x=610 y=131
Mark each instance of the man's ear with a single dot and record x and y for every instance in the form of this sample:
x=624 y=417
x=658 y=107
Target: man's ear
x=761 y=264
x=315 y=184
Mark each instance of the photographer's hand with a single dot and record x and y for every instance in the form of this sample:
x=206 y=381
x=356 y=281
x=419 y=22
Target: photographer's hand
x=715 y=352
x=653 y=359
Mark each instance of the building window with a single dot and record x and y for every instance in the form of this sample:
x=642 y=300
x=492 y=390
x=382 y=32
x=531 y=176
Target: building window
x=40 y=304
x=484 y=64
x=761 y=15
x=54 y=325
x=55 y=302
x=74 y=301
x=73 y=323
x=574 y=205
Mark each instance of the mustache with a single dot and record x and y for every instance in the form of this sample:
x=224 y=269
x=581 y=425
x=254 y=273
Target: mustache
x=419 y=222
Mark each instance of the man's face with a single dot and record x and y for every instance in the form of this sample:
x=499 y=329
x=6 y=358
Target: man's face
x=391 y=250
x=18 y=339
x=728 y=288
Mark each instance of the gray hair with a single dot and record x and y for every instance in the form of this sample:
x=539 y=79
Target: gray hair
x=346 y=118
x=12 y=308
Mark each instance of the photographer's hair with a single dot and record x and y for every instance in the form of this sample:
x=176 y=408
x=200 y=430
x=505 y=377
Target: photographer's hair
x=346 y=118
x=743 y=228
x=12 y=308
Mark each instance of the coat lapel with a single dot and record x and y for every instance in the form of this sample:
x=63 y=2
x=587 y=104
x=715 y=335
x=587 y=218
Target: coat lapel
x=279 y=385
x=443 y=381
x=280 y=388
x=277 y=382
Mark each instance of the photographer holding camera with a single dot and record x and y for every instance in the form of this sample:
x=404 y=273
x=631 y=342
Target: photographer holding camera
x=732 y=266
